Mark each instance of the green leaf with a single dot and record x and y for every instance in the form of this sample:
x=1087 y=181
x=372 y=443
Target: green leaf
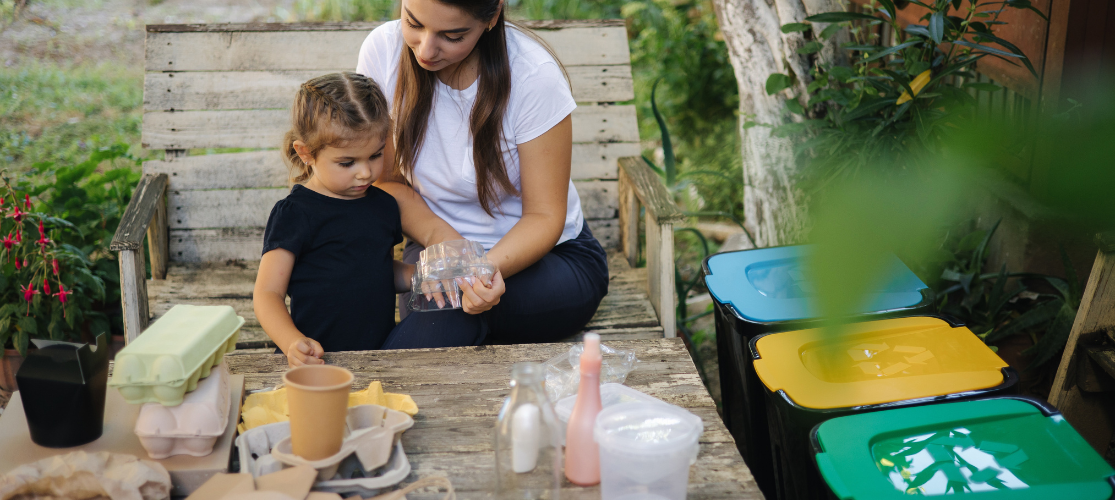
x=1037 y=315
x=778 y=82
x=1011 y=47
x=937 y=26
x=842 y=73
x=667 y=146
x=811 y=48
x=748 y=124
x=889 y=6
x=917 y=29
x=987 y=49
x=794 y=106
x=795 y=27
x=831 y=30
x=889 y=51
x=1054 y=338
x=839 y=17
x=5 y=333
x=27 y=328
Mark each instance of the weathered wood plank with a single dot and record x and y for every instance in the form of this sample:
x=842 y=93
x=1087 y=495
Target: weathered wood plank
x=246 y=243
x=133 y=293
x=157 y=240
x=327 y=50
x=262 y=169
x=628 y=219
x=459 y=392
x=223 y=208
x=1090 y=414
x=133 y=224
x=545 y=24
x=217 y=90
x=264 y=128
x=650 y=191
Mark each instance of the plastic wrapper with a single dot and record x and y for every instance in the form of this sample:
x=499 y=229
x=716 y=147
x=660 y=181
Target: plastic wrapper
x=176 y=351
x=563 y=372
x=434 y=284
x=191 y=428
x=268 y=407
x=80 y=475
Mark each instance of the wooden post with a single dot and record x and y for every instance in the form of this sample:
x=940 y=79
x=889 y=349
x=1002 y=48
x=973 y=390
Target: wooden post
x=157 y=239
x=133 y=293
x=628 y=219
x=660 y=273
x=1089 y=413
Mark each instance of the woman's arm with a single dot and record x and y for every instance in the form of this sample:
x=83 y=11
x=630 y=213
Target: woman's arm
x=269 y=303
x=420 y=224
x=544 y=165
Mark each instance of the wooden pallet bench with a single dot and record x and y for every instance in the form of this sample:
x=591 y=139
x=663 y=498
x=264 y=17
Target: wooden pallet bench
x=212 y=88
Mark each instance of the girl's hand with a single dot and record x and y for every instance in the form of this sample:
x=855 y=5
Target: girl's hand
x=304 y=352
x=480 y=296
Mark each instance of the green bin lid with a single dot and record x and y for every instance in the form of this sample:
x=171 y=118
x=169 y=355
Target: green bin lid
x=992 y=449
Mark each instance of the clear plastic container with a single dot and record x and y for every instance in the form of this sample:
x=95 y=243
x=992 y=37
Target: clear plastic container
x=646 y=450
x=563 y=372
x=434 y=284
x=191 y=428
x=168 y=359
x=611 y=394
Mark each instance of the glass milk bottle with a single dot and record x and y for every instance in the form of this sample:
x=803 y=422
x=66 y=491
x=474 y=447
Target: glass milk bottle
x=528 y=440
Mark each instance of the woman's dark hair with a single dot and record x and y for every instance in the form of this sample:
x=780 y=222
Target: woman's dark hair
x=332 y=110
x=414 y=94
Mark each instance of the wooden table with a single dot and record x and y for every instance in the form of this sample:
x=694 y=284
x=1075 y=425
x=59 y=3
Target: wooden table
x=459 y=392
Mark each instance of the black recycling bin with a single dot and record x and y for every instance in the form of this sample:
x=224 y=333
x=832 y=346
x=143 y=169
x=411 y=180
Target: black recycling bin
x=764 y=291
x=62 y=386
x=811 y=376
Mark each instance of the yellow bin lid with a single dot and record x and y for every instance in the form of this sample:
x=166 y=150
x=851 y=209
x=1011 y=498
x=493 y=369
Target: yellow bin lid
x=876 y=362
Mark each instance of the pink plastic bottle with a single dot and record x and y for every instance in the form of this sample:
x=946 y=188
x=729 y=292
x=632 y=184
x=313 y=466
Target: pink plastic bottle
x=582 y=455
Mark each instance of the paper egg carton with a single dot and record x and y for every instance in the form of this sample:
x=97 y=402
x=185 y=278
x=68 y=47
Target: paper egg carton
x=168 y=359
x=346 y=473
x=191 y=428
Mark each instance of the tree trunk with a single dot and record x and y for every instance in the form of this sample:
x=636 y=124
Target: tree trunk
x=773 y=207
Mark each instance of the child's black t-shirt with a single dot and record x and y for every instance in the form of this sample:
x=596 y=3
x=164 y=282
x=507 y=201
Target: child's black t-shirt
x=342 y=290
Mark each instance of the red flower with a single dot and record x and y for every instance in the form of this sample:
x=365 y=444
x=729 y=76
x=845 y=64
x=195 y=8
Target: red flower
x=8 y=241
x=17 y=215
x=54 y=264
x=26 y=262
x=41 y=232
x=43 y=241
x=62 y=293
x=29 y=293
x=46 y=286
x=18 y=235
x=27 y=201
x=17 y=264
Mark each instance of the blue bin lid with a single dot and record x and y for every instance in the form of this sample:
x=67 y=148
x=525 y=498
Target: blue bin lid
x=768 y=285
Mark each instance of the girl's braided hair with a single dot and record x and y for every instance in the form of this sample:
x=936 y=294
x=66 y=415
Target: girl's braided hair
x=332 y=110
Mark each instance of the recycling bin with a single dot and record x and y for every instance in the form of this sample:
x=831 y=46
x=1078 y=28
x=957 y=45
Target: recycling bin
x=815 y=375
x=1009 y=448
x=765 y=291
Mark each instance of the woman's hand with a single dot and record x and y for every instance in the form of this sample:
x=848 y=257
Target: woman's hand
x=304 y=352
x=480 y=296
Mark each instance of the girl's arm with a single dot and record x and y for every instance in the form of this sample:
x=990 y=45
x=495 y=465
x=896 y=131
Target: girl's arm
x=544 y=166
x=269 y=303
x=420 y=224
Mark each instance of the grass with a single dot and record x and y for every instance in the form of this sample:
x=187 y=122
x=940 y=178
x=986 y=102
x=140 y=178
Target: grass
x=58 y=112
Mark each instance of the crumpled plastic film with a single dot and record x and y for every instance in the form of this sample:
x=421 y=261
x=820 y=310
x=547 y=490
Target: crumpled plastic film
x=80 y=475
x=434 y=283
x=563 y=372
x=264 y=408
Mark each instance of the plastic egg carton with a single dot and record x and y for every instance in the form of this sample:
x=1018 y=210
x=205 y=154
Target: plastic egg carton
x=168 y=359
x=256 y=445
x=191 y=428
x=434 y=283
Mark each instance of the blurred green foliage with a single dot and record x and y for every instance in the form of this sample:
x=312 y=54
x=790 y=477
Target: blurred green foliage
x=60 y=113
x=339 y=10
x=894 y=102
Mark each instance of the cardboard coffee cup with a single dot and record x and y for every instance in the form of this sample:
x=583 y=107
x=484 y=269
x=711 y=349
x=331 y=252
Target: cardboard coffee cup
x=317 y=396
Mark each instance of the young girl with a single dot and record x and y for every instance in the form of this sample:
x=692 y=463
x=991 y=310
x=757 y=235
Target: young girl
x=328 y=244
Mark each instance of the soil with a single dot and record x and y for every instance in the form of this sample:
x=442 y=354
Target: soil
x=98 y=31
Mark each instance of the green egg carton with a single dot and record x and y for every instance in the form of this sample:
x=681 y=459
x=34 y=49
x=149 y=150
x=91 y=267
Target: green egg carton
x=167 y=360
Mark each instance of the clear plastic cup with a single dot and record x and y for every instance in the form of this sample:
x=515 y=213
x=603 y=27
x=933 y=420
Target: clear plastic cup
x=646 y=450
x=435 y=286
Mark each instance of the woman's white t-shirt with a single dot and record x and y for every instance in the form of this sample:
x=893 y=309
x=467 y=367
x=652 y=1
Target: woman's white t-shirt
x=444 y=173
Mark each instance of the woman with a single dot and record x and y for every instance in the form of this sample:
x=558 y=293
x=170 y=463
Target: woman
x=483 y=139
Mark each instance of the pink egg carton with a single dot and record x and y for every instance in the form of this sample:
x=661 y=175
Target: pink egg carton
x=191 y=428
